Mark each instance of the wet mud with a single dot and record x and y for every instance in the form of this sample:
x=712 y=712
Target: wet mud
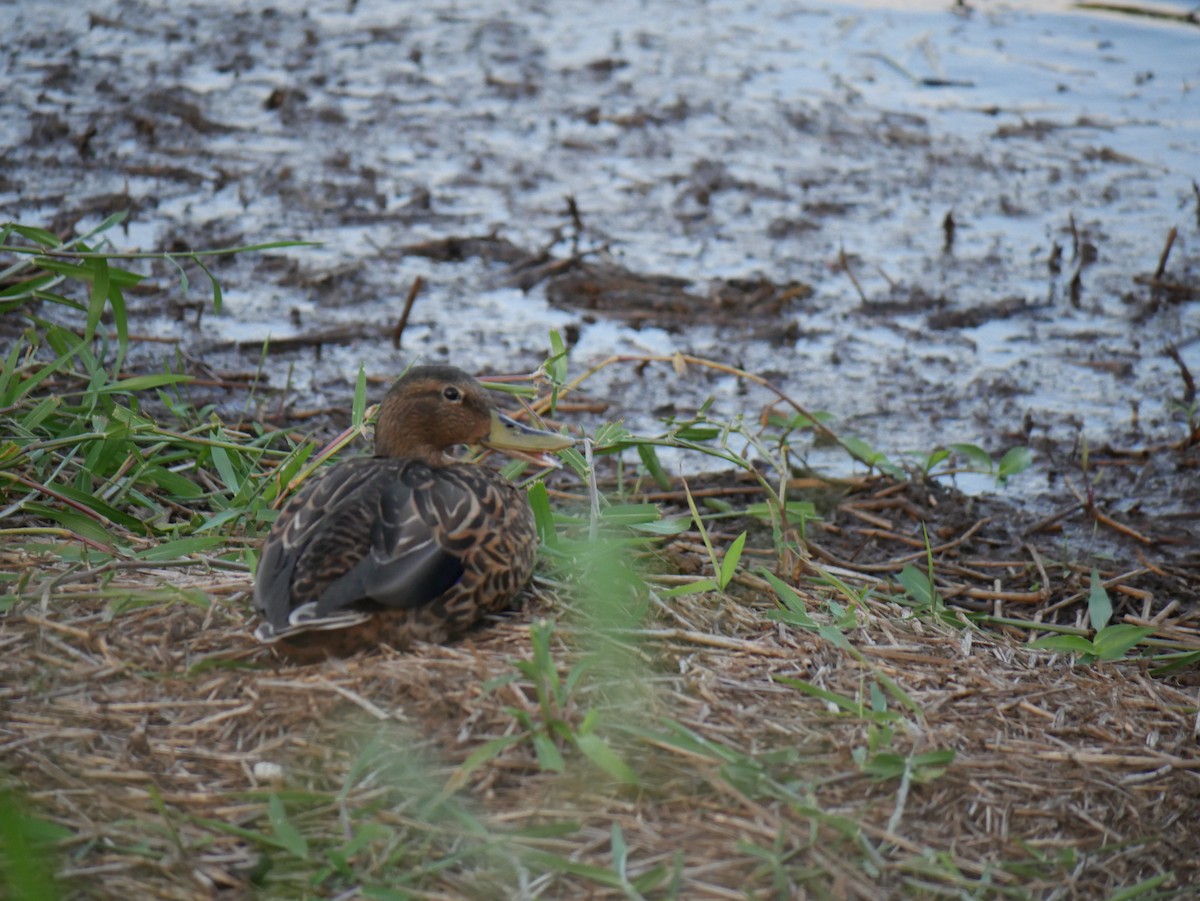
x=956 y=223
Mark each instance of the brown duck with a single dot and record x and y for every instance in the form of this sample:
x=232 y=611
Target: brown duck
x=407 y=544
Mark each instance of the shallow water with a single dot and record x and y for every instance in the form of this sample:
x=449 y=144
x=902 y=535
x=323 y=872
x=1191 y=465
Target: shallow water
x=707 y=141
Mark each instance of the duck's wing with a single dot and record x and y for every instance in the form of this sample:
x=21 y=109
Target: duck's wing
x=326 y=508
x=407 y=559
x=371 y=534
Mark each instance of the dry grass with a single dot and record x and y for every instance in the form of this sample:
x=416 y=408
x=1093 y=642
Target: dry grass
x=145 y=734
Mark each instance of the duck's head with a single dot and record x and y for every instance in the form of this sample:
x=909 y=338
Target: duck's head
x=431 y=409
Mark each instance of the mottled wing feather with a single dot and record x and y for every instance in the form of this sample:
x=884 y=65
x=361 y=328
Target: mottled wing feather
x=391 y=535
x=411 y=562
x=397 y=583
x=300 y=522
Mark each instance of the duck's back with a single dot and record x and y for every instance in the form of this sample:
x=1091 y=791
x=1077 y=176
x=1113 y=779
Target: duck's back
x=386 y=550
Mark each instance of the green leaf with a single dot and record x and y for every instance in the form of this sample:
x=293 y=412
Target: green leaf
x=556 y=363
x=1112 y=642
x=1143 y=889
x=798 y=512
x=795 y=611
x=99 y=294
x=485 y=753
x=359 y=405
x=9 y=372
x=630 y=514
x=217 y=520
x=177 y=485
x=1074 y=644
x=672 y=526
x=935 y=458
x=575 y=460
x=224 y=466
x=543 y=517
x=548 y=755
x=86 y=271
x=799 y=421
x=76 y=522
x=690 y=588
x=597 y=750
x=286 y=834
x=730 y=561
x=620 y=852
x=654 y=876
x=649 y=457
x=38 y=415
x=849 y=705
x=37 y=235
x=184 y=284
x=383 y=893
x=181 y=547
x=923 y=767
x=917 y=585
x=887 y=467
x=26 y=870
x=611 y=435
x=938 y=759
x=559 y=829
x=860 y=450
x=142 y=383
x=888 y=765
x=545 y=860
x=216 y=285
x=697 y=433
x=102 y=508
x=835 y=636
x=116 y=300
x=1016 y=460
x=1099 y=605
x=975 y=455
x=1172 y=662
x=110 y=221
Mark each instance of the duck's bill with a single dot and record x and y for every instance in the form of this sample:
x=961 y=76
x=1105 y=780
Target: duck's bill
x=525 y=442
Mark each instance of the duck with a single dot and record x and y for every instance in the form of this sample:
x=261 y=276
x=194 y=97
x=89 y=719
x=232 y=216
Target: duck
x=412 y=543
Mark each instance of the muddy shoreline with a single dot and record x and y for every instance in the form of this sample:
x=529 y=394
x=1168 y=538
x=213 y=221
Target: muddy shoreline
x=938 y=226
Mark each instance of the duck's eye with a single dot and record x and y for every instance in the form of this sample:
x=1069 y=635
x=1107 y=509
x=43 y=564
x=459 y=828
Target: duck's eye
x=451 y=394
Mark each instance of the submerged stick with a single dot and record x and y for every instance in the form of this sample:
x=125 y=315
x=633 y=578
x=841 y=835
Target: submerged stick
x=1166 y=252
x=844 y=265
x=417 y=285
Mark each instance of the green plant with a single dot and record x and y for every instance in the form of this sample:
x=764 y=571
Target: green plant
x=46 y=262
x=556 y=721
x=83 y=458
x=26 y=843
x=1110 y=641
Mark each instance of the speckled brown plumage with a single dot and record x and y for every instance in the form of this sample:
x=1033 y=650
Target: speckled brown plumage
x=410 y=545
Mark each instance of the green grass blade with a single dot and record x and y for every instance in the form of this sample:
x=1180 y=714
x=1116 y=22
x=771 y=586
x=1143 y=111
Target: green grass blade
x=25 y=869
x=98 y=297
x=217 y=296
x=1099 y=604
x=286 y=834
x=34 y=234
x=137 y=383
x=359 y=407
x=543 y=517
x=116 y=302
x=730 y=561
x=598 y=751
x=649 y=457
x=1113 y=642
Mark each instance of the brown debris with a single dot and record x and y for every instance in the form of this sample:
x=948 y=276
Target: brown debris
x=613 y=290
x=667 y=300
x=102 y=715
